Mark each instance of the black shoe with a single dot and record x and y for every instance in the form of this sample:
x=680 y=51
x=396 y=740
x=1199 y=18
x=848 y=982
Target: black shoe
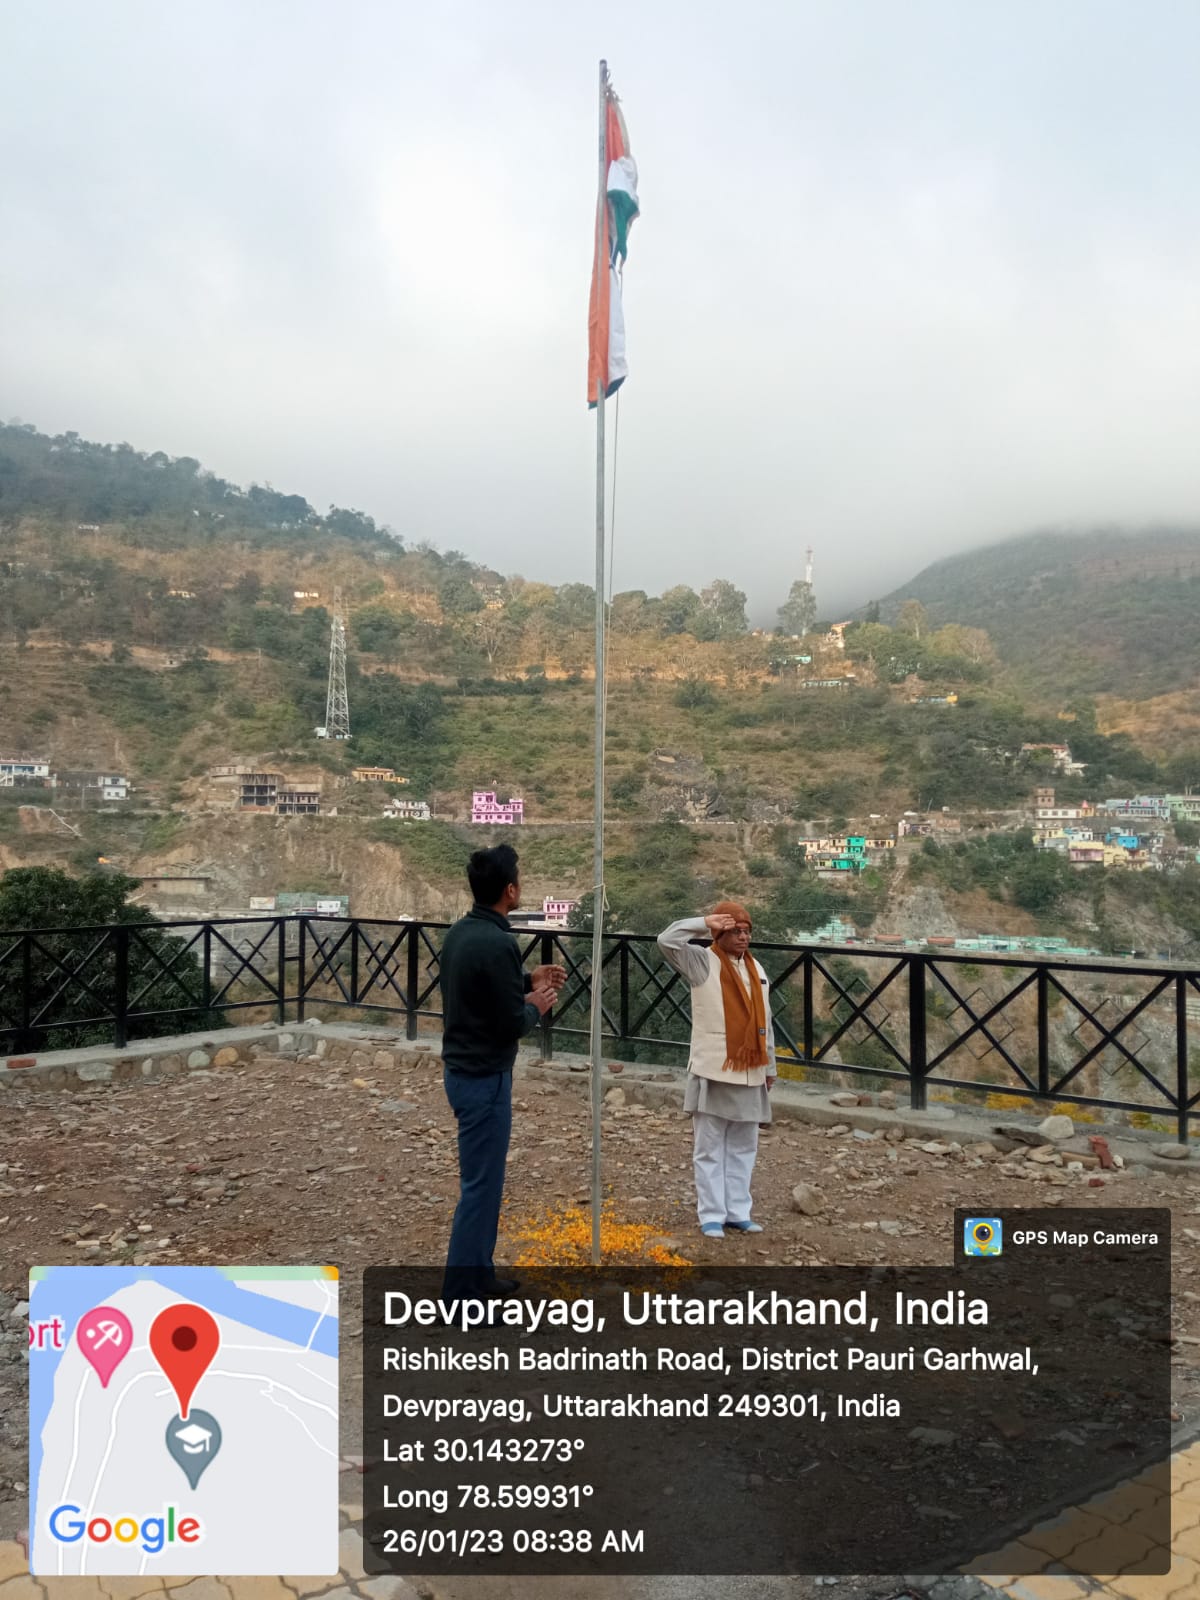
x=499 y=1287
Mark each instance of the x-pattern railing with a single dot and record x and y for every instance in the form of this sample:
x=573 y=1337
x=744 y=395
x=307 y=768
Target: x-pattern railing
x=1025 y=1018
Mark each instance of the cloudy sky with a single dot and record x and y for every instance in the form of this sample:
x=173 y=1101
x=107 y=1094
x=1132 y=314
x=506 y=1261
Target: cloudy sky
x=909 y=275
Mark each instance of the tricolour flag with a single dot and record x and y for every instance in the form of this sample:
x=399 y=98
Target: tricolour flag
x=615 y=212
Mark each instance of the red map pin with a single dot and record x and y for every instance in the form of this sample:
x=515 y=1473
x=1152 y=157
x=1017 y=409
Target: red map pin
x=183 y=1340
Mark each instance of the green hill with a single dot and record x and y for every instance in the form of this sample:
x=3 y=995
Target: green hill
x=1107 y=612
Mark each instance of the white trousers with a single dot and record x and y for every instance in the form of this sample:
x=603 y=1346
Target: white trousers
x=723 y=1161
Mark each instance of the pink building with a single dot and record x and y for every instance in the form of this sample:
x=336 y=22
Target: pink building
x=486 y=808
x=557 y=911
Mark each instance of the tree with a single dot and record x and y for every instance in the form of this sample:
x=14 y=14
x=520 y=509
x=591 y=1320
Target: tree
x=163 y=974
x=725 y=605
x=913 y=618
x=678 y=608
x=458 y=595
x=799 y=611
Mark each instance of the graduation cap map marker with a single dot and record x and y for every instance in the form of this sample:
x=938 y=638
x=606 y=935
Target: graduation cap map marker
x=193 y=1444
x=183 y=1340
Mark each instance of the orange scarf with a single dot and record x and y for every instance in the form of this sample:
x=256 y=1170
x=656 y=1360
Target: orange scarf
x=745 y=1015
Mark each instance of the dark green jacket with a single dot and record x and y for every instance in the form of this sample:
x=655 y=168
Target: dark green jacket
x=484 y=1009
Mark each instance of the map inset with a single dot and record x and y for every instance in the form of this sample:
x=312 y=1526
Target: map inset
x=183 y=1420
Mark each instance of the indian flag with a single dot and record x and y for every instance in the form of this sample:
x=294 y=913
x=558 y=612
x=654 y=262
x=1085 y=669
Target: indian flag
x=615 y=211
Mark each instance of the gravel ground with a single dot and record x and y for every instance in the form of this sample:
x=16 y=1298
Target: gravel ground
x=306 y=1162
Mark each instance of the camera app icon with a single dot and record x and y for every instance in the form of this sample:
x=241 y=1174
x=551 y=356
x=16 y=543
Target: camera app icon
x=983 y=1236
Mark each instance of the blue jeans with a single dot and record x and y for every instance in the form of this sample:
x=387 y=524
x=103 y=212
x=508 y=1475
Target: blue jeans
x=483 y=1109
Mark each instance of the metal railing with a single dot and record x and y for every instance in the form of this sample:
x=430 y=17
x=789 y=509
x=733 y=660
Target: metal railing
x=1115 y=1035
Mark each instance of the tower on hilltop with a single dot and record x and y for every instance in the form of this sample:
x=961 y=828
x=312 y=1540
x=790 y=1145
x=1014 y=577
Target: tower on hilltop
x=337 y=706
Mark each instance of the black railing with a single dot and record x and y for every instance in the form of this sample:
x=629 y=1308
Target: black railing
x=1115 y=1035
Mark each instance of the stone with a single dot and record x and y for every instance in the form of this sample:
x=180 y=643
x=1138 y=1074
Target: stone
x=838 y=1128
x=892 y=1228
x=1058 y=1129
x=932 y=1435
x=867 y=1135
x=388 y=1588
x=214 y=1191
x=199 y=1058
x=1045 y=1157
x=95 y=1071
x=1172 y=1152
x=894 y=1134
x=385 y=1061
x=614 y=1097
x=844 y=1097
x=285 y=1041
x=887 y=1100
x=397 y=1105
x=226 y=1056
x=807 y=1200
x=933 y=1148
x=616 y=1066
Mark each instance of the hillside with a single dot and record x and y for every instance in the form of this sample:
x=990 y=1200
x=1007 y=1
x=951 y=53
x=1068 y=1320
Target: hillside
x=1108 y=612
x=159 y=622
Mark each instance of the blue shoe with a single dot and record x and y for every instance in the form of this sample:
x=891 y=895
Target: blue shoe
x=745 y=1227
x=713 y=1230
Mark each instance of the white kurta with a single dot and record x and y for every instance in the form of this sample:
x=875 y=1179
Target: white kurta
x=737 y=1096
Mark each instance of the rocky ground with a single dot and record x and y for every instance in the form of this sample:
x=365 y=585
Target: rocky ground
x=308 y=1161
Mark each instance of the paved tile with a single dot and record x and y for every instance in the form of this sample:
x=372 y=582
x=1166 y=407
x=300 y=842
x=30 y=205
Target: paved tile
x=130 y=1588
x=13 y=1562
x=1183 y=1581
x=64 y=1588
x=22 y=1588
x=1065 y=1534
x=388 y=1588
x=309 y=1586
x=199 y=1589
x=350 y=1554
x=256 y=1588
x=1043 y=1587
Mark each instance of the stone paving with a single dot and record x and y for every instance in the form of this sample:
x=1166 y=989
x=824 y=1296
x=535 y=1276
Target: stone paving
x=1121 y=1527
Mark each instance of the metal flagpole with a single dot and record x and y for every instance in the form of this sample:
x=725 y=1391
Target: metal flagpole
x=597 y=1018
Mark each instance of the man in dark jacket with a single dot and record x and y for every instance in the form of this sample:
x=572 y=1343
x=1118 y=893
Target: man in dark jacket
x=488 y=1003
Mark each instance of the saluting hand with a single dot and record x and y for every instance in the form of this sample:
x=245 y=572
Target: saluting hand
x=719 y=924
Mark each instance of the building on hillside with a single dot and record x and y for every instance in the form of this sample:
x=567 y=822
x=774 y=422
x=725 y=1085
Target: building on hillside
x=1060 y=755
x=1086 y=855
x=1043 y=797
x=298 y=803
x=408 y=811
x=16 y=770
x=306 y=594
x=829 y=683
x=936 y=700
x=259 y=791
x=375 y=775
x=1063 y=813
x=1183 y=807
x=1148 y=807
x=557 y=912
x=836 y=637
x=98 y=788
x=485 y=808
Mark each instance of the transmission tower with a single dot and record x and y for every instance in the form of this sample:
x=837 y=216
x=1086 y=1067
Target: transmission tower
x=808 y=568
x=337 y=706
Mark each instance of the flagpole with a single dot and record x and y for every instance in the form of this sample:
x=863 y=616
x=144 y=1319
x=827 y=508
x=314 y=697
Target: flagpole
x=597 y=1019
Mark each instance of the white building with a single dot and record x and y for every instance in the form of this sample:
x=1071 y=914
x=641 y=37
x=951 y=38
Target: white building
x=557 y=911
x=409 y=810
x=19 y=769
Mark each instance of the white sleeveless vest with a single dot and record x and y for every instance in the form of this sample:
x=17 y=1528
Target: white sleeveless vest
x=708 y=1028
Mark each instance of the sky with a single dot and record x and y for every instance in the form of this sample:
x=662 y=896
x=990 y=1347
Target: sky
x=909 y=275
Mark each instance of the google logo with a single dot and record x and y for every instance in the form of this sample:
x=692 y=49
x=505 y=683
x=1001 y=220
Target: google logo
x=68 y=1526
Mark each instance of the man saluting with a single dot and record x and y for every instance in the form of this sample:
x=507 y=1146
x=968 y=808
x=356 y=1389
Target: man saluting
x=732 y=1064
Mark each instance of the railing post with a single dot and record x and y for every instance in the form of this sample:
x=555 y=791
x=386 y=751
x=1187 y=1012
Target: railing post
x=1181 y=1060
x=809 y=1031
x=917 y=1046
x=1043 y=1032
x=206 y=957
x=354 y=961
x=281 y=973
x=121 y=1011
x=545 y=957
x=624 y=957
x=410 y=996
x=26 y=1041
x=301 y=967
